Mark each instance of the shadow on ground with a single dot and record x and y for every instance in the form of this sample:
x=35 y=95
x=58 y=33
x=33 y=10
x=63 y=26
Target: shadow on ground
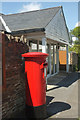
x=56 y=107
x=70 y=79
x=65 y=82
x=49 y=99
x=52 y=109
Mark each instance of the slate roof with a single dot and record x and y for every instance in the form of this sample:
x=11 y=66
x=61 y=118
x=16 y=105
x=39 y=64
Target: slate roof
x=1 y=26
x=30 y=20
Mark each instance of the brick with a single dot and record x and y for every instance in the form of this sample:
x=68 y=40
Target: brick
x=14 y=95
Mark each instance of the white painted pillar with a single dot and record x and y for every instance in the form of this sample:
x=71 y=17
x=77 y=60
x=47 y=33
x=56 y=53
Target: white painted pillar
x=38 y=46
x=53 y=59
x=57 y=57
x=44 y=51
x=44 y=45
x=49 y=58
x=67 y=59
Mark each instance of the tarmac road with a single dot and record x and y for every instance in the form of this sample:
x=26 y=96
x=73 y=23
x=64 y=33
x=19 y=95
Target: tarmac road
x=64 y=99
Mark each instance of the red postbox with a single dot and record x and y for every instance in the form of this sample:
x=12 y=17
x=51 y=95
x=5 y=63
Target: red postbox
x=35 y=64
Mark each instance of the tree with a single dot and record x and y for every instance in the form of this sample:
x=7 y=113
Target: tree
x=76 y=47
x=76 y=32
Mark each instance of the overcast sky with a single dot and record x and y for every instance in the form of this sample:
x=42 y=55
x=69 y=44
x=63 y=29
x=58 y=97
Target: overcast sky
x=70 y=9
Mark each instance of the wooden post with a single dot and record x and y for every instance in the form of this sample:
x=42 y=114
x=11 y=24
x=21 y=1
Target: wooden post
x=49 y=58
x=44 y=45
x=67 y=59
x=57 y=58
x=44 y=51
x=53 y=59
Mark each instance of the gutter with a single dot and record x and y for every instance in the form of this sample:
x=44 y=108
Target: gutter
x=27 y=31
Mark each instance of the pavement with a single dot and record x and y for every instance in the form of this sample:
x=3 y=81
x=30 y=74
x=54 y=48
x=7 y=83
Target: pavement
x=62 y=97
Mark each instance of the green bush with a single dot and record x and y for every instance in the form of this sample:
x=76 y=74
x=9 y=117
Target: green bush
x=75 y=68
x=78 y=119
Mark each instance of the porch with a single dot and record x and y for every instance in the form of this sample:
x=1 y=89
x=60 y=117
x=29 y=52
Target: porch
x=38 y=41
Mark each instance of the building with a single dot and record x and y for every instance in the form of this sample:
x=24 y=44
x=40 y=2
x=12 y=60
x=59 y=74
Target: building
x=42 y=30
x=46 y=29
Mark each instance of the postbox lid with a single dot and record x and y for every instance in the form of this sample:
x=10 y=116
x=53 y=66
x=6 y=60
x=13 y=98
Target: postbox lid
x=35 y=54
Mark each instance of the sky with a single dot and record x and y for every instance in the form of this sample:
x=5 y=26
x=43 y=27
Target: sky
x=70 y=9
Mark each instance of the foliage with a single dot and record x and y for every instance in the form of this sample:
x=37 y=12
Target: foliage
x=78 y=119
x=75 y=68
x=76 y=32
x=76 y=47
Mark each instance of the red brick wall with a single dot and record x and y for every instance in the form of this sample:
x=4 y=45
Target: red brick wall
x=0 y=76
x=0 y=50
x=14 y=90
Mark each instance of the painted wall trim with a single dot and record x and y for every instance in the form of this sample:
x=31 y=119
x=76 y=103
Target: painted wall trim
x=4 y=24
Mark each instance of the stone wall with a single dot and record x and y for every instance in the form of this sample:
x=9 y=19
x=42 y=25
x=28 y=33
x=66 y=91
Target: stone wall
x=13 y=95
x=74 y=58
x=73 y=61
